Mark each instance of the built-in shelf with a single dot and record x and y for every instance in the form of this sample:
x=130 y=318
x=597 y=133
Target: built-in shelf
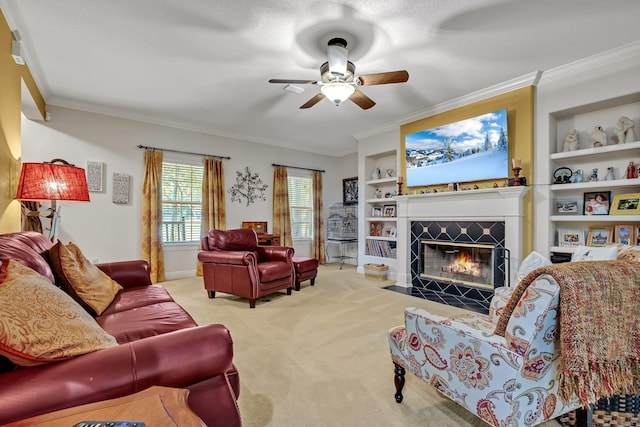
x=622 y=219
x=377 y=244
x=598 y=151
x=384 y=200
x=615 y=156
x=382 y=181
x=618 y=183
x=388 y=239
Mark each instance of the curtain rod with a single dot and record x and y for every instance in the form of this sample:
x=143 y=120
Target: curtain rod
x=297 y=167
x=183 y=152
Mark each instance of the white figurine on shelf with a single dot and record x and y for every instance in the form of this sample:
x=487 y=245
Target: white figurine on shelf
x=594 y=175
x=626 y=131
x=571 y=141
x=378 y=193
x=598 y=137
x=376 y=174
x=388 y=173
x=609 y=176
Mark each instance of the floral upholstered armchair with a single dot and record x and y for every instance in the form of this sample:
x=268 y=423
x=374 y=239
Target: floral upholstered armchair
x=506 y=380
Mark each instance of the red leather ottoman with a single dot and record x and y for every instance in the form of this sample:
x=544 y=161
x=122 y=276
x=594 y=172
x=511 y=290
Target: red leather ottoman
x=306 y=269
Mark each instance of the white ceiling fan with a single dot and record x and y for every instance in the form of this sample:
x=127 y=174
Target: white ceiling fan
x=339 y=82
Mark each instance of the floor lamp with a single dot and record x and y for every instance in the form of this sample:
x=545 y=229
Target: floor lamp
x=52 y=181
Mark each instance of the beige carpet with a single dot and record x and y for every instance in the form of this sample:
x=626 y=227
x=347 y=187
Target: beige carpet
x=320 y=356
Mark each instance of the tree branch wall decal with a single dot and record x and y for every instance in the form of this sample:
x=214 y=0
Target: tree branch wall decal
x=248 y=186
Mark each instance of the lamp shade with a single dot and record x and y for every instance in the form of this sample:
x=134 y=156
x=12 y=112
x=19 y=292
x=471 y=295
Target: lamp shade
x=51 y=181
x=338 y=91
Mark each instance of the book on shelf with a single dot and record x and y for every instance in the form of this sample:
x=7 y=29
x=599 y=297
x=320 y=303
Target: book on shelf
x=381 y=248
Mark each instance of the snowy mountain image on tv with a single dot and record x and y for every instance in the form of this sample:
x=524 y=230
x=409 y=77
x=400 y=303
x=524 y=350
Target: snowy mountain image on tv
x=474 y=149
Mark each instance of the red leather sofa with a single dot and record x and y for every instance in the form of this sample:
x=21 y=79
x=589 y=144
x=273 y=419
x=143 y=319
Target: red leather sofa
x=159 y=344
x=234 y=263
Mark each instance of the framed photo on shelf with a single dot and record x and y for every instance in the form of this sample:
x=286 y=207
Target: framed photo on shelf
x=350 y=190
x=597 y=203
x=568 y=206
x=625 y=234
x=626 y=204
x=600 y=236
x=376 y=211
x=389 y=210
x=570 y=237
x=375 y=229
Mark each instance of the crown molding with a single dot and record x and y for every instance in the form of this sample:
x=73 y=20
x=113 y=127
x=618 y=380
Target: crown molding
x=603 y=59
x=133 y=116
x=373 y=132
x=530 y=79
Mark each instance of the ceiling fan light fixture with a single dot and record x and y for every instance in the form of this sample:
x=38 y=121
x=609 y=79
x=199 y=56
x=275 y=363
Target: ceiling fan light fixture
x=337 y=92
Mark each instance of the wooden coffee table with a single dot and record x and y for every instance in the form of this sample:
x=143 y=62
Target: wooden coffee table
x=156 y=406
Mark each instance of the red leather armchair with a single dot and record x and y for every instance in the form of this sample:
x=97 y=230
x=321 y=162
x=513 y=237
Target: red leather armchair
x=233 y=263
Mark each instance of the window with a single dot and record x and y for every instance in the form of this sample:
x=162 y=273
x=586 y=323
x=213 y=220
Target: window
x=300 y=206
x=181 y=202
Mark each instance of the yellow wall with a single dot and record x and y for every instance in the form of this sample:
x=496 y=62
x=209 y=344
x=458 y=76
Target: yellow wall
x=11 y=77
x=519 y=105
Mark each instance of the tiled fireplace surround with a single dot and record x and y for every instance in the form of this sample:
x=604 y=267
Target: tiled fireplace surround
x=493 y=216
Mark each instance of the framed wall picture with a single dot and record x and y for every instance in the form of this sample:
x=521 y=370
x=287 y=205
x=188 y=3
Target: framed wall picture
x=626 y=204
x=597 y=203
x=570 y=237
x=600 y=236
x=568 y=206
x=389 y=210
x=94 y=176
x=625 y=234
x=121 y=186
x=350 y=190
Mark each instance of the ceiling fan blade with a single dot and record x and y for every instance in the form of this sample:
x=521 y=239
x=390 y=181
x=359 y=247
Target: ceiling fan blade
x=295 y=82
x=337 y=55
x=362 y=100
x=400 y=76
x=313 y=101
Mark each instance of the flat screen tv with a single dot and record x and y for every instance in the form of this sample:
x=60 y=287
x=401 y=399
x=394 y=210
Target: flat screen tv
x=474 y=149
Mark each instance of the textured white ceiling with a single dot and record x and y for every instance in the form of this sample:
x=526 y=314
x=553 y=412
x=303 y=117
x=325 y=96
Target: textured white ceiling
x=205 y=64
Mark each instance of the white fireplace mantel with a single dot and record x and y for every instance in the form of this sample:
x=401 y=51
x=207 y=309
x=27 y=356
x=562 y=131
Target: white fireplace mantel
x=490 y=204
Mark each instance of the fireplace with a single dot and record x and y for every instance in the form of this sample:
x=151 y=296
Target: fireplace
x=462 y=263
x=486 y=216
x=458 y=262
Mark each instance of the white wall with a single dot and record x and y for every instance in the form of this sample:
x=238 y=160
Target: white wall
x=110 y=232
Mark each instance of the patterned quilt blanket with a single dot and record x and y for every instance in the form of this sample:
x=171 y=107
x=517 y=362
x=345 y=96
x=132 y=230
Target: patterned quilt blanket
x=599 y=326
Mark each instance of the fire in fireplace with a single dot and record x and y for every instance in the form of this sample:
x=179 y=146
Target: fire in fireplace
x=469 y=264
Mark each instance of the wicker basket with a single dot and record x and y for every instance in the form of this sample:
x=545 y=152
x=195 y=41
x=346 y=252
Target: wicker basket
x=616 y=411
x=376 y=271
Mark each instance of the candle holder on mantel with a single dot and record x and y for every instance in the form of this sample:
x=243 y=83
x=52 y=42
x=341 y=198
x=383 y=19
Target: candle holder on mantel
x=400 y=182
x=516 y=176
x=517 y=180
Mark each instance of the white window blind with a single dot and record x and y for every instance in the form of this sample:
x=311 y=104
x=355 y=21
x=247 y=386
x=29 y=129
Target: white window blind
x=181 y=202
x=300 y=206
